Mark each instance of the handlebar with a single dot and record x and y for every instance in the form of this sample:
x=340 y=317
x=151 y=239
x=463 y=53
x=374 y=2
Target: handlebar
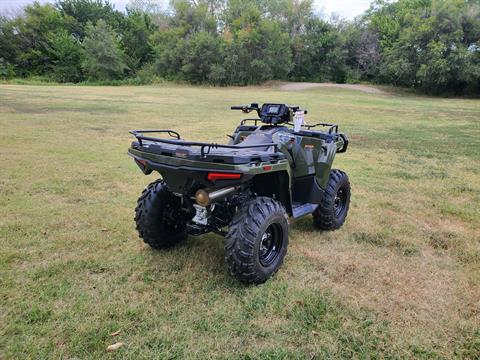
x=246 y=108
x=254 y=106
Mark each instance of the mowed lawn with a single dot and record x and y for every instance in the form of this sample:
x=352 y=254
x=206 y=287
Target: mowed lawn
x=401 y=279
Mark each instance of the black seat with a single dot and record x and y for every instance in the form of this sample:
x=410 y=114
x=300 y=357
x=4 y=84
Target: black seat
x=257 y=139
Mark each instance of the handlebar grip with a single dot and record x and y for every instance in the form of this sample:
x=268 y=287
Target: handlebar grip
x=237 y=107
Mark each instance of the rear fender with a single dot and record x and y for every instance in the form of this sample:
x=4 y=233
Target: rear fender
x=185 y=179
x=275 y=185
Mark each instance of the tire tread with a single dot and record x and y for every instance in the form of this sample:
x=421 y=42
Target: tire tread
x=243 y=232
x=147 y=217
x=323 y=216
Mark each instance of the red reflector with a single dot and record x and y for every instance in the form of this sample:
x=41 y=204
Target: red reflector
x=142 y=162
x=223 y=176
x=267 y=167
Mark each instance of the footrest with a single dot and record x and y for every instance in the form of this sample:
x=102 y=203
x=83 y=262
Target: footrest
x=299 y=210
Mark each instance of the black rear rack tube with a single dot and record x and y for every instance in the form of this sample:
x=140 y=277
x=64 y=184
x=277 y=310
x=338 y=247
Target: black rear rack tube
x=169 y=132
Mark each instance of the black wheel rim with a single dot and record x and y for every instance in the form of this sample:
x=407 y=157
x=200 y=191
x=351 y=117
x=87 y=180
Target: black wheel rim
x=340 y=201
x=270 y=244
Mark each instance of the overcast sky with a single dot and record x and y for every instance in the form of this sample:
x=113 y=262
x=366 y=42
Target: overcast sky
x=345 y=8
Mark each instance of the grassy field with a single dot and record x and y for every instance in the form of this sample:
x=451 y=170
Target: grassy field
x=401 y=279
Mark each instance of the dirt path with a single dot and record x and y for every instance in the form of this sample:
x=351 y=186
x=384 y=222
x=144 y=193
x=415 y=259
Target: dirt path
x=297 y=86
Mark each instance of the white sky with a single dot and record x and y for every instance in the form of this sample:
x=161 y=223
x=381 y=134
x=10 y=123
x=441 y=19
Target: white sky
x=345 y=8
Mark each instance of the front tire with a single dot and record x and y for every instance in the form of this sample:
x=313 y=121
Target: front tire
x=257 y=240
x=332 y=211
x=158 y=216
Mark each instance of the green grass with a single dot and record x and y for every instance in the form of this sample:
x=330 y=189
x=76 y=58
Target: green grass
x=401 y=279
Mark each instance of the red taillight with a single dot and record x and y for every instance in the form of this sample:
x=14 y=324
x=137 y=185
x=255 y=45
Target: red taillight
x=143 y=163
x=222 y=176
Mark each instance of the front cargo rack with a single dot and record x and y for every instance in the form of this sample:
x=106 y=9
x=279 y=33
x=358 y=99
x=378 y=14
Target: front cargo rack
x=332 y=128
x=204 y=147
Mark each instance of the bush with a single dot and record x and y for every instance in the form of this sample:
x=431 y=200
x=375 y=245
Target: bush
x=67 y=56
x=202 y=55
x=103 y=59
x=146 y=75
x=7 y=71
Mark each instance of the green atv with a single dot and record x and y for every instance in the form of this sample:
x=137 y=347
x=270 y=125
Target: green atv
x=272 y=169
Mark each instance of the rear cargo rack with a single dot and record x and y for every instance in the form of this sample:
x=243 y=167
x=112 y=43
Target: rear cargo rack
x=204 y=147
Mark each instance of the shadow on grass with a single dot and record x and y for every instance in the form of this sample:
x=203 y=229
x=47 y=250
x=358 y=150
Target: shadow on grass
x=198 y=260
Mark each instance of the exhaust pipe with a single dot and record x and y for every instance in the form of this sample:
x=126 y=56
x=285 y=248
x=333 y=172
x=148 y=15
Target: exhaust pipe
x=204 y=198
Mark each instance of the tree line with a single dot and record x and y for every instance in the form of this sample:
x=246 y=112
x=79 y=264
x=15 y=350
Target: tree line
x=430 y=45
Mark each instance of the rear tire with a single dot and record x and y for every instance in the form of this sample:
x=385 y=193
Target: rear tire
x=158 y=217
x=332 y=211
x=257 y=240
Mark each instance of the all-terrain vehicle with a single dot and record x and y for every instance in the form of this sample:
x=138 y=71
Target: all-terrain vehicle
x=246 y=190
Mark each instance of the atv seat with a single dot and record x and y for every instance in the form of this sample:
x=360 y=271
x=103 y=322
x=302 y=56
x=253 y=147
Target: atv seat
x=257 y=139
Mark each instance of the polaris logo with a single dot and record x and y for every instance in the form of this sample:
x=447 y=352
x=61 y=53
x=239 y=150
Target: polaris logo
x=181 y=154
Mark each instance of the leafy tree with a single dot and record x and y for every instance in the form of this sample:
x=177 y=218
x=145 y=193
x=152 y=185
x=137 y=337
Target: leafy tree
x=192 y=17
x=33 y=31
x=242 y=15
x=67 y=56
x=202 y=59
x=257 y=48
x=82 y=12
x=104 y=58
x=179 y=41
x=8 y=41
x=168 y=46
x=136 y=30
x=434 y=46
x=7 y=70
x=314 y=52
x=257 y=54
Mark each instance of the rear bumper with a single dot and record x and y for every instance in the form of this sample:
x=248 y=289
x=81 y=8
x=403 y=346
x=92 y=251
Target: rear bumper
x=185 y=176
